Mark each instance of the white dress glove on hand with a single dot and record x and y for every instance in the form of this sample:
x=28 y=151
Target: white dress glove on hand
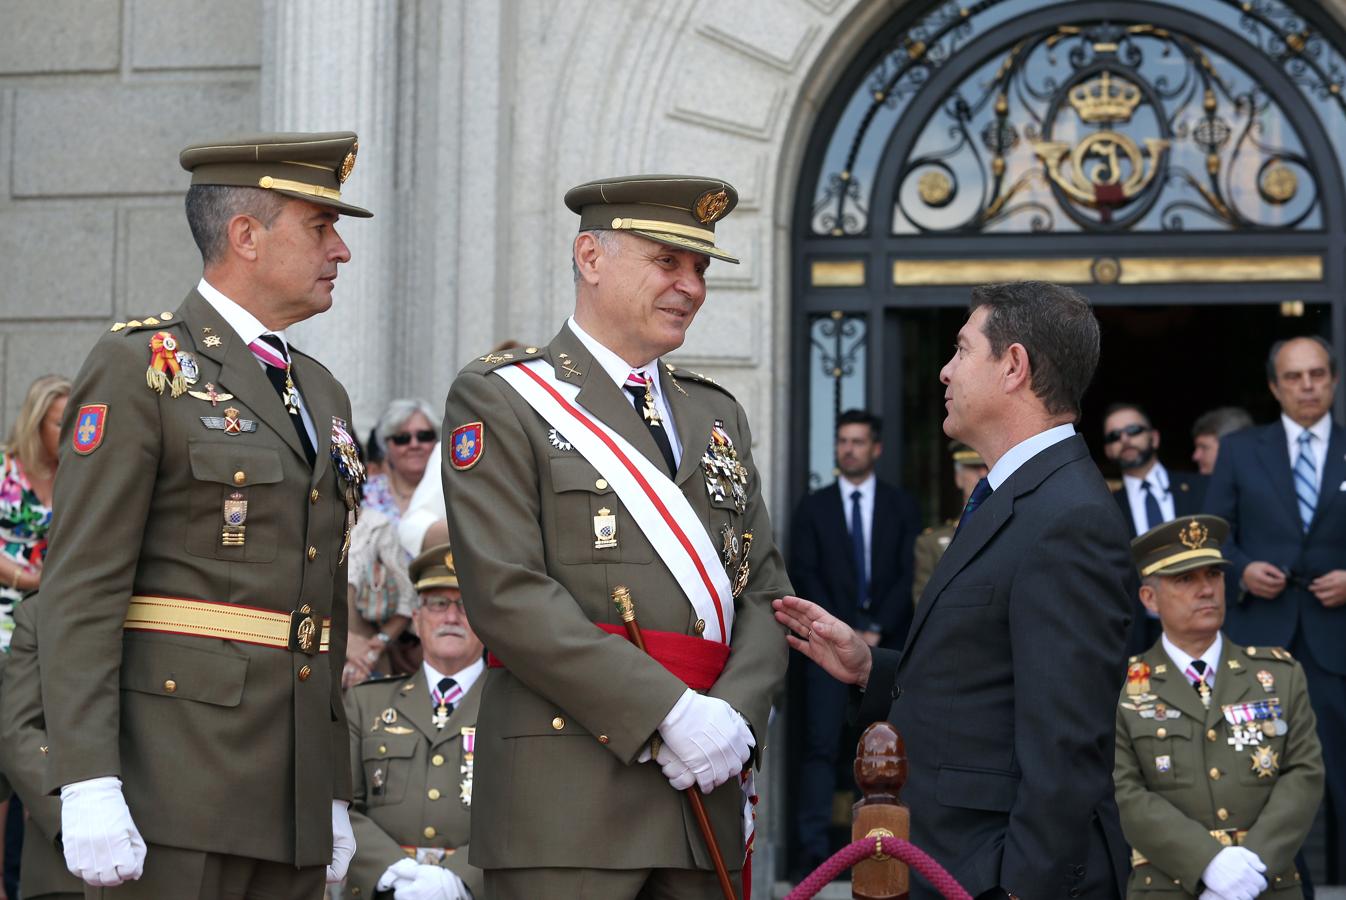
x=432 y=883
x=343 y=842
x=102 y=844
x=1235 y=874
x=401 y=872
x=709 y=736
x=675 y=770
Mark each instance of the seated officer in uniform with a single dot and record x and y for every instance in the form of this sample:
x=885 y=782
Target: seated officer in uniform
x=1218 y=768
x=23 y=744
x=412 y=742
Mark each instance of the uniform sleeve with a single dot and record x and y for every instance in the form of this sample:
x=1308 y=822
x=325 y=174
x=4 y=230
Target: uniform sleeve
x=758 y=652
x=522 y=614
x=22 y=729
x=1179 y=846
x=336 y=659
x=375 y=851
x=1284 y=822
x=100 y=504
x=926 y=555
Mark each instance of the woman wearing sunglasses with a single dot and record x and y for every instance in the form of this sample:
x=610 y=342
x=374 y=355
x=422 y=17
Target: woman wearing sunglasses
x=407 y=432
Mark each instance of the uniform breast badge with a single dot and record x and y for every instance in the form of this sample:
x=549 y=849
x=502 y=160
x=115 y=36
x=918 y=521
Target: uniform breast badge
x=1138 y=682
x=741 y=576
x=729 y=547
x=469 y=736
x=164 y=370
x=388 y=716
x=229 y=423
x=1266 y=680
x=376 y=782
x=210 y=394
x=605 y=530
x=212 y=340
x=1265 y=762
x=1163 y=763
x=466 y=444
x=291 y=395
x=235 y=515
x=346 y=460
x=557 y=440
x=89 y=422
x=726 y=478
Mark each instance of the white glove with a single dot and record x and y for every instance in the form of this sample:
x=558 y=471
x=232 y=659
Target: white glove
x=675 y=770
x=102 y=844
x=432 y=883
x=343 y=842
x=401 y=872
x=1235 y=874
x=710 y=737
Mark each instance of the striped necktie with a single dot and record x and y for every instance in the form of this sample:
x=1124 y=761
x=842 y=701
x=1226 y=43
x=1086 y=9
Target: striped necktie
x=270 y=351
x=1306 y=479
x=638 y=386
x=445 y=697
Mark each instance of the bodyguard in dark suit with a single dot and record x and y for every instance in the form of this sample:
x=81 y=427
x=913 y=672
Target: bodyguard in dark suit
x=1006 y=688
x=851 y=551
x=1150 y=495
x=1281 y=487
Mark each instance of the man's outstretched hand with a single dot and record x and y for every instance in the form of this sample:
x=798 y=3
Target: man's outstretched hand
x=825 y=639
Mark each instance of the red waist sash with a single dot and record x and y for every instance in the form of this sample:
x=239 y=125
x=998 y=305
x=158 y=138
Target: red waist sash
x=695 y=661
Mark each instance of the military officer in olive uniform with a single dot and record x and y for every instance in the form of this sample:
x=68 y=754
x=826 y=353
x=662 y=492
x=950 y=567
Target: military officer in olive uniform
x=23 y=739
x=193 y=622
x=968 y=469
x=413 y=753
x=579 y=467
x=1218 y=767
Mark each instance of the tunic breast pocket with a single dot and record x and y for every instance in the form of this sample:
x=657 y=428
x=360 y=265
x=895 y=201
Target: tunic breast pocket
x=235 y=487
x=590 y=523
x=1167 y=753
x=387 y=761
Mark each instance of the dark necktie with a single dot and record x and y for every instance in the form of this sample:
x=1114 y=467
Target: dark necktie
x=858 y=553
x=977 y=498
x=639 y=389
x=1197 y=673
x=1154 y=516
x=276 y=362
x=445 y=698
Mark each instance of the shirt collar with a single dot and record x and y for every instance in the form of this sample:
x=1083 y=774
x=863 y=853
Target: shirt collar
x=616 y=367
x=866 y=488
x=1182 y=660
x=465 y=677
x=244 y=323
x=1322 y=429
x=1157 y=476
x=1025 y=450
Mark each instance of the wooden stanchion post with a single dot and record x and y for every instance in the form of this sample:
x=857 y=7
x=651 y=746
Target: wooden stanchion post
x=880 y=771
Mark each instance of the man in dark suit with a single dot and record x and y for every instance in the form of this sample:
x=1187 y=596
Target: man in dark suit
x=1281 y=487
x=1149 y=496
x=851 y=551
x=1006 y=688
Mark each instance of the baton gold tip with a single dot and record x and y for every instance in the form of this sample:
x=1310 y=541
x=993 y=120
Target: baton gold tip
x=621 y=596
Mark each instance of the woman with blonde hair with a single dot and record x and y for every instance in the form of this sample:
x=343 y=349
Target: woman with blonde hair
x=27 y=470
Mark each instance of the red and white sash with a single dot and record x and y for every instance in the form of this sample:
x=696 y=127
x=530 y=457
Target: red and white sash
x=654 y=501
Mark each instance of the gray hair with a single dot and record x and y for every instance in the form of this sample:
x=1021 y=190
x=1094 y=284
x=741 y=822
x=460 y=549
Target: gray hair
x=1221 y=421
x=1279 y=345
x=606 y=239
x=210 y=207
x=396 y=415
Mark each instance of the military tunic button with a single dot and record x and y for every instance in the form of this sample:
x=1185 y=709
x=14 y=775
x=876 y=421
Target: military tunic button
x=1252 y=651
x=1148 y=879
x=166 y=316
x=306 y=609
x=433 y=793
x=1222 y=814
x=383 y=748
x=240 y=476
x=304 y=673
x=312 y=553
x=602 y=739
x=1161 y=733
x=429 y=831
x=601 y=484
x=558 y=723
x=313 y=496
x=1210 y=735
x=170 y=686
x=530 y=350
x=700 y=626
x=1214 y=774
x=437 y=760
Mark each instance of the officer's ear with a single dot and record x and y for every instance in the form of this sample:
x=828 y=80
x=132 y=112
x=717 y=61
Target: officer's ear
x=242 y=234
x=1149 y=597
x=587 y=250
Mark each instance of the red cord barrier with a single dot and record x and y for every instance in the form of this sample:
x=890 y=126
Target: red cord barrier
x=864 y=848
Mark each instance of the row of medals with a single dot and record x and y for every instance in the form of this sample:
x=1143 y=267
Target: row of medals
x=1249 y=724
x=387 y=722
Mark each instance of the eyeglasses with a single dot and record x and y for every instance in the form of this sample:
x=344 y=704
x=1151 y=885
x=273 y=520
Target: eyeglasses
x=424 y=436
x=441 y=604
x=1131 y=430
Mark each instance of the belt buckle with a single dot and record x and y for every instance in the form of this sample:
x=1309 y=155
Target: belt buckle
x=1223 y=838
x=304 y=630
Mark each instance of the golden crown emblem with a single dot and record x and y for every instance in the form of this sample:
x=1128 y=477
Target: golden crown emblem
x=1193 y=535
x=1105 y=99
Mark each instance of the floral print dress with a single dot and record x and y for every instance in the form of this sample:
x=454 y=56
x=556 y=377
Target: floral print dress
x=24 y=520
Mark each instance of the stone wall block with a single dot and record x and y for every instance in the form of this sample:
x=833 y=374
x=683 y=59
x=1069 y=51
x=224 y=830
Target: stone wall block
x=188 y=34
x=162 y=262
x=40 y=36
x=42 y=351
x=58 y=263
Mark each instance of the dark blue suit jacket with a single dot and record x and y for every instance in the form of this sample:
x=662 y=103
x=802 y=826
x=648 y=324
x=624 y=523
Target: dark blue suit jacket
x=1253 y=488
x=820 y=558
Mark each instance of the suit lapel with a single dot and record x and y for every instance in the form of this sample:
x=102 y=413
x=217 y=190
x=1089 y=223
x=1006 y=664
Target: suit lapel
x=693 y=423
x=464 y=714
x=1275 y=458
x=1124 y=501
x=1334 y=473
x=1171 y=686
x=319 y=396
x=1231 y=684
x=413 y=705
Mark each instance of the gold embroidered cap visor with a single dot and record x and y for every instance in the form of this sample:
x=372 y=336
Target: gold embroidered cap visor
x=1184 y=544
x=308 y=167
x=678 y=211
x=434 y=568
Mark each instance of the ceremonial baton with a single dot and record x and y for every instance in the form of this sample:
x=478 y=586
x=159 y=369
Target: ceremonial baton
x=621 y=596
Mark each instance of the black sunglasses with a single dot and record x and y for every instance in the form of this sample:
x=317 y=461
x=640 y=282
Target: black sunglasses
x=1131 y=430
x=424 y=436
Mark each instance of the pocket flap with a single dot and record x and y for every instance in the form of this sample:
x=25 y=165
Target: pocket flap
x=976 y=788
x=387 y=746
x=184 y=673
x=219 y=461
x=573 y=473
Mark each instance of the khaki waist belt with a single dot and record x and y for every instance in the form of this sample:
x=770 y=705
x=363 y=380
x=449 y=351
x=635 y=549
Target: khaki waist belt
x=1228 y=837
x=300 y=631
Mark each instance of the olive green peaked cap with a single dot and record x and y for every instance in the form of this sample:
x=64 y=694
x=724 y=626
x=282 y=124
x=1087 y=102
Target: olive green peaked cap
x=1186 y=543
x=309 y=167
x=676 y=210
x=434 y=569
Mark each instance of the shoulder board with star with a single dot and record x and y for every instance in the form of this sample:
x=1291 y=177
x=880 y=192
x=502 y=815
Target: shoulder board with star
x=494 y=359
x=163 y=319
x=688 y=375
x=1280 y=654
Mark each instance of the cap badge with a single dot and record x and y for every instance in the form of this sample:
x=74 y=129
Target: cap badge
x=710 y=206
x=348 y=163
x=1194 y=535
x=448 y=561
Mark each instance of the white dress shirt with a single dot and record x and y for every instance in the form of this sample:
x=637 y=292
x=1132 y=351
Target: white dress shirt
x=1211 y=657
x=465 y=677
x=1322 y=432
x=618 y=368
x=247 y=327
x=867 y=489
x=1025 y=450
x=1157 y=479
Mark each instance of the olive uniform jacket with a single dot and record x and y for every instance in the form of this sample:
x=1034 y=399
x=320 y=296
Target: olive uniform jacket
x=562 y=724
x=1179 y=778
x=412 y=781
x=23 y=735
x=256 y=732
x=930 y=547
